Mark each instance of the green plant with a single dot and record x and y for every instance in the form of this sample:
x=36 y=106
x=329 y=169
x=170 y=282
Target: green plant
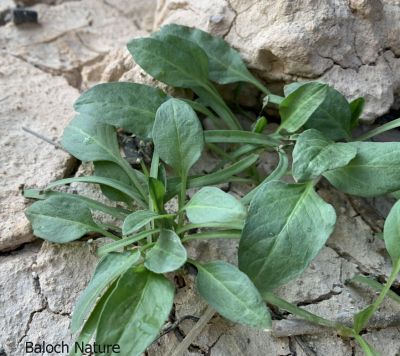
x=281 y=226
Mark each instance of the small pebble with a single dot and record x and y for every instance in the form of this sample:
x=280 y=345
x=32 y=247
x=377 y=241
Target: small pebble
x=21 y=16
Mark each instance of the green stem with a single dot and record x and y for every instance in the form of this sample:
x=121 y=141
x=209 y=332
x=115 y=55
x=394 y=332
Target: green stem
x=181 y=200
x=233 y=225
x=295 y=310
x=272 y=98
x=108 y=234
x=144 y=168
x=225 y=234
x=377 y=131
x=132 y=176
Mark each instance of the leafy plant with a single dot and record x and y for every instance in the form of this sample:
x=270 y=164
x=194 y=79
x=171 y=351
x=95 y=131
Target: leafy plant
x=281 y=224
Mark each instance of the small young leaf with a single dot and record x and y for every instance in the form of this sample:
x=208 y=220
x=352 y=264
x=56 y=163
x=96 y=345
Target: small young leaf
x=109 y=268
x=138 y=219
x=130 y=106
x=212 y=205
x=88 y=140
x=366 y=347
x=356 y=109
x=135 y=311
x=362 y=317
x=391 y=233
x=167 y=255
x=112 y=170
x=314 y=154
x=60 y=219
x=300 y=105
x=230 y=292
x=178 y=136
x=374 y=171
x=173 y=60
x=286 y=226
x=225 y=64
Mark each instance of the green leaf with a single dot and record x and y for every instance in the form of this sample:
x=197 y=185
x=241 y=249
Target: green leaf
x=314 y=154
x=230 y=292
x=212 y=205
x=276 y=174
x=135 y=311
x=173 y=60
x=157 y=192
x=300 y=105
x=138 y=219
x=379 y=130
x=374 y=171
x=109 y=268
x=118 y=213
x=167 y=255
x=130 y=106
x=225 y=64
x=237 y=136
x=356 y=108
x=362 y=317
x=178 y=136
x=391 y=233
x=112 y=170
x=88 y=140
x=123 y=188
x=90 y=325
x=333 y=117
x=286 y=227
x=61 y=219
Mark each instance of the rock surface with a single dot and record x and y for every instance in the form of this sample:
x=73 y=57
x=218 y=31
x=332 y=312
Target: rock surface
x=353 y=45
x=44 y=106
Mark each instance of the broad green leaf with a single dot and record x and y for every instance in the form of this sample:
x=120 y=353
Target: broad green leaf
x=391 y=233
x=356 y=108
x=109 y=268
x=300 y=105
x=135 y=311
x=173 y=60
x=230 y=292
x=362 y=317
x=286 y=227
x=116 y=212
x=89 y=328
x=60 y=219
x=333 y=117
x=167 y=255
x=112 y=183
x=112 y=170
x=374 y=171
x=315 y=154
x=130 y=106
x=178 y=136
x=225 y=64
x=88 y=140
x=138 y=219
x=212 y=205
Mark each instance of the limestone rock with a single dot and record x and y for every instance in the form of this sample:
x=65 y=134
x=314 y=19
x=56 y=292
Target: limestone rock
x=45 y=106
x=346 y=44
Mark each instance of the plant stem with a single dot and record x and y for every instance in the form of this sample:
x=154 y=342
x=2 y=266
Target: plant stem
x=181 y=200
x=144 y=168
x=132 y=176
x=109 y=234
x=223 y=234
x=233 y=225
x=377 y=131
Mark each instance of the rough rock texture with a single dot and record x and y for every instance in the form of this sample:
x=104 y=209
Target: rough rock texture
x=45 y=107
x=353 y=45
x=39 y=286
